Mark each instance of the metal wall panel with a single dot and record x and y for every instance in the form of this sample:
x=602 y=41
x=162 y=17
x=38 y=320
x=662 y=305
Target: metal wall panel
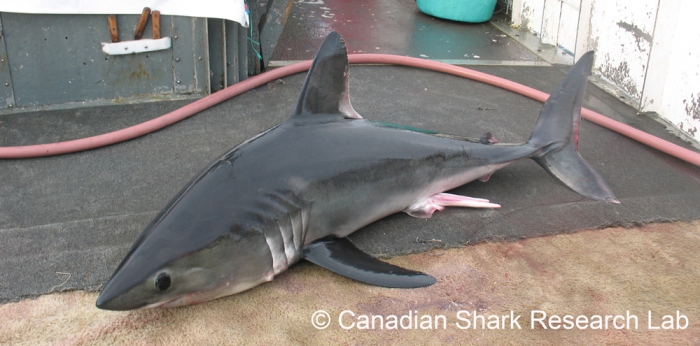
x=7 y=97
x=238 y=56
x=200 y=55
x=217 y=57
x=190 y=55
x=55 y=59
x=236 y=67
x=228 y=53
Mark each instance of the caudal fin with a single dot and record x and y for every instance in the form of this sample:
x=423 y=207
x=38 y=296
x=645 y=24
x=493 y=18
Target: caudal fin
x=557 y=133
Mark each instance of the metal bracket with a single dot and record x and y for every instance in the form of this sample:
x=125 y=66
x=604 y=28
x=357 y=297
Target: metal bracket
x=136 y=46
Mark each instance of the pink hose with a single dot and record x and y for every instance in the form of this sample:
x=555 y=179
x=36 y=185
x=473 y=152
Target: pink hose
x=254 y=82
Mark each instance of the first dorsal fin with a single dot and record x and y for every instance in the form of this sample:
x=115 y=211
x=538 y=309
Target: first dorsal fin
x=325 y=90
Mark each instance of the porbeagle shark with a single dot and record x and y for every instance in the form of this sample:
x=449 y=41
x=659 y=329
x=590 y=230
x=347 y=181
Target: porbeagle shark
x=296 y=190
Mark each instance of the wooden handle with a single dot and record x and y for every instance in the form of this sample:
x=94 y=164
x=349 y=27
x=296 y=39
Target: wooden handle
x=113 y=31
x=142 y=23
x=155 y=22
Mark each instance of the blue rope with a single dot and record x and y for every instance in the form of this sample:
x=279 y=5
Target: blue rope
x=250 y=38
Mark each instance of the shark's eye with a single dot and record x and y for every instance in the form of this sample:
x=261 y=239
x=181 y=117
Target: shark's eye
x=163 y=282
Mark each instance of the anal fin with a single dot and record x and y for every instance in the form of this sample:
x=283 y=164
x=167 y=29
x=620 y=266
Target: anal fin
x=439 y=201
x=485 y=178
x=342 y=257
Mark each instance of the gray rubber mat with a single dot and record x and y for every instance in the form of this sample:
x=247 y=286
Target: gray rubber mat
x=75 y=216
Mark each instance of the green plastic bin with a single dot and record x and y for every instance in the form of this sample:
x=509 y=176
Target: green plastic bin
x=471 y=11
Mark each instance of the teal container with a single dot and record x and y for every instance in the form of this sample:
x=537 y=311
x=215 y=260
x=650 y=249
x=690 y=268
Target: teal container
x=471 y=11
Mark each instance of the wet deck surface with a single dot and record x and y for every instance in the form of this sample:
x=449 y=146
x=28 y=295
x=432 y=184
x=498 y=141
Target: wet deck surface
x=392 y=27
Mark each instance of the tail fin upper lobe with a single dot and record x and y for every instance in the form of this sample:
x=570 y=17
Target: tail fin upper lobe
x=557 y=133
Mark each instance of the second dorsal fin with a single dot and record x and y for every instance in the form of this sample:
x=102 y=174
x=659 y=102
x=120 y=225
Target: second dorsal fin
x=325 y=90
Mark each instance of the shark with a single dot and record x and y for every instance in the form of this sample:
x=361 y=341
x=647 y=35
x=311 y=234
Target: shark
x=298 y=189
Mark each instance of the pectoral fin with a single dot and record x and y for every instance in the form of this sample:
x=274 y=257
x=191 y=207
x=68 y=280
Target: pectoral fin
x=342 y=257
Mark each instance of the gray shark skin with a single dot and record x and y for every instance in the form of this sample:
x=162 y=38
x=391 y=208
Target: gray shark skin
x=297 y=189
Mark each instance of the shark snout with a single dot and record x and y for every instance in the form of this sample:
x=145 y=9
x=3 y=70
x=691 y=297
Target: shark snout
x=109 y=301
